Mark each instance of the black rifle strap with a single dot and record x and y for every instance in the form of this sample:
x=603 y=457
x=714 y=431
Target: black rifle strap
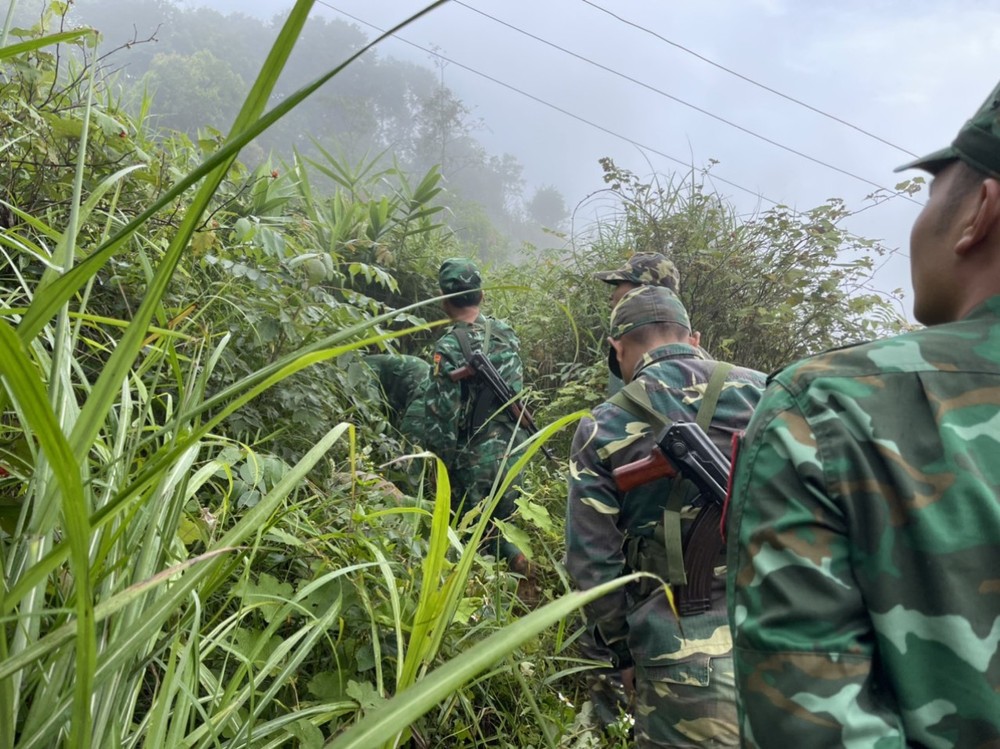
x=462 y=335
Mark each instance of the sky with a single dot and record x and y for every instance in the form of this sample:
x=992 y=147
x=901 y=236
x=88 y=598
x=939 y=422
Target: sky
x=562 y=83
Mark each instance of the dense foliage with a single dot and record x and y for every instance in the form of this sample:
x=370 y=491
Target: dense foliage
x=206 y=534
x=198 y=66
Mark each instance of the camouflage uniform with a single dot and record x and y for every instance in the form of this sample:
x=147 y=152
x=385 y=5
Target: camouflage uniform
x=401 y=380
x=474 y=453
x=864 y=536
x=684 y=681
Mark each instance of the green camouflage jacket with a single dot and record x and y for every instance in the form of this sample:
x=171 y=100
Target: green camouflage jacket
x=864 y=546
x=473 y=453
x=599 y=518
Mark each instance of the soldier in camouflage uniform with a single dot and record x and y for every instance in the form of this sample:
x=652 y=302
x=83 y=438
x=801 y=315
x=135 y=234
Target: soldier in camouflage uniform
x=864 y=536
x=642 y=269
x=683 y=682
x=459 y=423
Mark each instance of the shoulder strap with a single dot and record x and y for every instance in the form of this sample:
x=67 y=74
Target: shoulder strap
x=462 y=336
x=484 y=403
x=634 y=399
x=486 y=336
x=713 y=390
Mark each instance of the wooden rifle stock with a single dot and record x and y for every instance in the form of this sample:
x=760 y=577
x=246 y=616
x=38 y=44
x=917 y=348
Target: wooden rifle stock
x=462 y=373
x=653 y=466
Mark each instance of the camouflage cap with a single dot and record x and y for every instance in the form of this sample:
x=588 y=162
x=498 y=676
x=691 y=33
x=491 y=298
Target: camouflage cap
x=643 y=306
x=459 y=274
x=645 y=269
x=646 y=305
x=977 y=143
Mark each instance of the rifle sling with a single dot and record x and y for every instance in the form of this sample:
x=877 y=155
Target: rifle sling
x=634 y=399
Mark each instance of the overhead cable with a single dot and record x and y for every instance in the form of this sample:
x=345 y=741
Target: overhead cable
x=567 y=113
x=751 y=81
x=688 y=104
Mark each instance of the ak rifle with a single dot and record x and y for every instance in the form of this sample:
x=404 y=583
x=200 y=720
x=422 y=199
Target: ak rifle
x=479 y=365
x=683 y=449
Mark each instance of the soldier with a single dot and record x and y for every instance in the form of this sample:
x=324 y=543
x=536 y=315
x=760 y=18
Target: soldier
x=864 y=557
x=461 y=424
x=682 y=680
x=642 y=269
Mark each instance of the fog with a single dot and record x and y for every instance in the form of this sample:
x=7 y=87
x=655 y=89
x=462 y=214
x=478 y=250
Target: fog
x=664 y=87
x=908 y=72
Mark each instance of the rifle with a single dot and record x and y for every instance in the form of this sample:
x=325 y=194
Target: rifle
x=683 y=449
x=478 y=364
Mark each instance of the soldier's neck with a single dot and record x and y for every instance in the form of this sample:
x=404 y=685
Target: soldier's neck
x=464 y=314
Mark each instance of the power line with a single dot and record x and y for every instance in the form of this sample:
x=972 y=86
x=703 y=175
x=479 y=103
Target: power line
x=552 y=106
x=751 y=81
x=714 y=116
x=715 y=178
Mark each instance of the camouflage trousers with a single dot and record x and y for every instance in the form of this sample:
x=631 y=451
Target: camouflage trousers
x=685 y=681
x=700 y=713
x=472 y=480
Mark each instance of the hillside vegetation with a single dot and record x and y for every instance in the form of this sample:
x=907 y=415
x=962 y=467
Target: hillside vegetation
x=209 y=533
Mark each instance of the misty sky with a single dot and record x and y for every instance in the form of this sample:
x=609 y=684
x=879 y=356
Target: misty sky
x=908 y=71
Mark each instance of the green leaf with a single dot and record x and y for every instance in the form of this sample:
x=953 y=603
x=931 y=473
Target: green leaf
x=517 y=536
x=326 y=686
x=534 y=513
x=309 y=736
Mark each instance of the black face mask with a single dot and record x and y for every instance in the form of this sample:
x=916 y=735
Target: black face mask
x=613 y=364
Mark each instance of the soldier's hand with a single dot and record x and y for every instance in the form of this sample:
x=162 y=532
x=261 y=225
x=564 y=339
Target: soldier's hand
x=628 y=682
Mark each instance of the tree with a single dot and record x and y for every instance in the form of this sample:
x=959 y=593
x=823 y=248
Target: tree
x=547 y=207
x=764 y=289
x=193 y=91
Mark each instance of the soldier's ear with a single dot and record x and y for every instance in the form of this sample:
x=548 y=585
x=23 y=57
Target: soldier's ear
x=986 y=220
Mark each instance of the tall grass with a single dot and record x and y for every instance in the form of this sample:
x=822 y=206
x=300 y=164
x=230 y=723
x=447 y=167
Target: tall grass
x=91 y=573
x=135 y=609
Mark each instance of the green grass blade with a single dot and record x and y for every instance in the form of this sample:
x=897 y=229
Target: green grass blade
x=12 y=50
x=385 y=722
x=27 y=389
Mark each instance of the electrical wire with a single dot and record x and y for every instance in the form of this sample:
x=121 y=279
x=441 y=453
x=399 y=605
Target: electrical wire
x=643 y=147
x=751 y=81
x=706 y=112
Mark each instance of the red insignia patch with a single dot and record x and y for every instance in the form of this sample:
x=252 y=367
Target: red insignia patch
x=734 y=451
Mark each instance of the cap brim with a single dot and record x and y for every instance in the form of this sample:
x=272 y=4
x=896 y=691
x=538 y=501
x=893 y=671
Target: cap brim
x=613 y=365
x=610 y=276
x=932 y=162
